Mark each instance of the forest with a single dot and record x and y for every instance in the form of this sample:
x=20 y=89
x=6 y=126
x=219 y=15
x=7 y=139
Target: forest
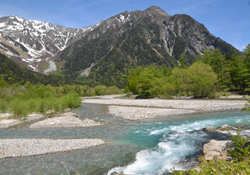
x=212 y=72
x=23 y=91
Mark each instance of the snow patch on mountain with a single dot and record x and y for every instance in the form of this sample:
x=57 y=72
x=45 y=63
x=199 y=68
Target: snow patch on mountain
x=37 y=39
x=2 y=25
x=122 y=18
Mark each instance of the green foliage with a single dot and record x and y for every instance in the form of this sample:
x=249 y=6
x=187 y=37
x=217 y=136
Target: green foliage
x=203 y=80
x=233 y=70
x=24 y=99
x=147 y=81
x=219 y=167
x=19 y=108
x=240 y=147
x=239 y=151
x=3 y=106
x=198 y=80
x=11 y=73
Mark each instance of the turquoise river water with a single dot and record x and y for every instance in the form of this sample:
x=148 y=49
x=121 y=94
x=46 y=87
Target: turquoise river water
x=143 y=147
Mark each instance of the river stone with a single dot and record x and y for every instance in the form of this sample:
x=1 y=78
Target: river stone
x=209 y=129
x=227 y=128
x=216 y=150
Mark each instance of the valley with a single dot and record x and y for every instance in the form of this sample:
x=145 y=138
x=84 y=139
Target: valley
x=148 y=91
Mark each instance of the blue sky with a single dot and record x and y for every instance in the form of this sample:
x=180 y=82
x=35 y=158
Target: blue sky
x=227 y=19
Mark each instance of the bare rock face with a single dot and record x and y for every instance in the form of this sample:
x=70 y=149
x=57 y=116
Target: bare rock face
x=140 y=38
x=216 y=150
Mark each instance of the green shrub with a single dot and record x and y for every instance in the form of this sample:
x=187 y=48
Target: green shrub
x=240 y=152
x=73 y=100
x=3 y=106
x=240 y=147
x=22 y=100
x=19 y=108
x=42 y=107
x=219 y=167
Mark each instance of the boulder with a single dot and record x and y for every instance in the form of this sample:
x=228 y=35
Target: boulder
x=227 y=128
x=216 y=150
x=209 y=129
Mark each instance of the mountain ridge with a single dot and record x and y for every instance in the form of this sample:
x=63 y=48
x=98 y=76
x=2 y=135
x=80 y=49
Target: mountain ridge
x=106 y=51
x=35 y=41
x=138 y=38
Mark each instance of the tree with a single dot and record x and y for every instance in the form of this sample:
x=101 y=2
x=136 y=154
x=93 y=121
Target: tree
x=182 y=61
x=203 y=80
x=147 y=81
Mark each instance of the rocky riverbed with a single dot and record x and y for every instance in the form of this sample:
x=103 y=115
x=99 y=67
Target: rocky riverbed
x=218 y=149
x=28 y=147
x=135 y=109
x=130 y=109
x=7 y=122
x=65 y=120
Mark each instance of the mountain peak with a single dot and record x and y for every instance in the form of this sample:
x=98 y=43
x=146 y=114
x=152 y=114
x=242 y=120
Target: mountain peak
x=156 y=9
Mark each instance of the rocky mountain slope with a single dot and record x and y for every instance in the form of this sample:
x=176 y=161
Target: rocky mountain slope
x=137 y=38
x=106 y=51
x=33 y=42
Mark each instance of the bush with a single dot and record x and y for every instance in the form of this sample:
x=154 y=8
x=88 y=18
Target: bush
x=72 y=100
x=240 y=147
x=219 y=167
x=3 y=106
x=22 y=100
x=19 y=108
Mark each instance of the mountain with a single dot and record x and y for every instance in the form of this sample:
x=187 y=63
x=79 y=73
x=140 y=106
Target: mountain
x=34 y=43
x=152 y=36
x=105 y=52
x=11 y=73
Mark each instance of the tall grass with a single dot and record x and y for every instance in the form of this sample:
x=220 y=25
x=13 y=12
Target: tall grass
x=22 y=100
x=39 y=99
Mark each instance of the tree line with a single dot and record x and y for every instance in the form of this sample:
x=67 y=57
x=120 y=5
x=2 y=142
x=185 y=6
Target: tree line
x=211 y=72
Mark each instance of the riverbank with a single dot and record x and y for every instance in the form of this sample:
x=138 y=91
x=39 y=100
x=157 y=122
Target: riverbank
x=154 y=146
x=6 y=122
x=136 y=109
x=28 y=147
x=65 y=120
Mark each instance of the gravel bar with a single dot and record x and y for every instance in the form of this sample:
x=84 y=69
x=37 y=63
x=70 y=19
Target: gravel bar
x=137 y=113
x=6 y=123
x=28 y=147
x=196 y=105
x=136 y=109
x=65 y=120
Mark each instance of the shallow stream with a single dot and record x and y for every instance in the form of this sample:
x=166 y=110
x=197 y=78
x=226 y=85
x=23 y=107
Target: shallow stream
x=140 y=147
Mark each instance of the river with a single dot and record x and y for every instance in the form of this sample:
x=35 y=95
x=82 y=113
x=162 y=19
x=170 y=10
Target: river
x=132 y=147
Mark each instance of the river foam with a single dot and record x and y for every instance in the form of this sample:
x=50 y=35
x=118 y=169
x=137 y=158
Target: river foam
x=176 y=142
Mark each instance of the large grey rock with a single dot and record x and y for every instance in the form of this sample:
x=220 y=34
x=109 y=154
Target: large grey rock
x=216 y=150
